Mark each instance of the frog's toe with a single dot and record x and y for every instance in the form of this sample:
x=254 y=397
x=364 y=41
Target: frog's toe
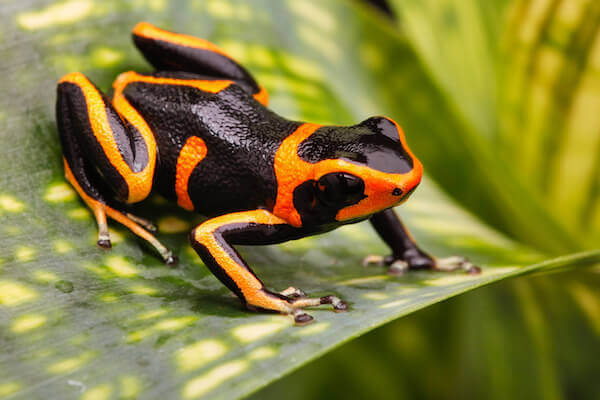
x=293 y=293
x=302 y=318
x=103 y=235
x=374 y=259
x=104 y=242
x=146 y=224
x=171 y=259
x=338 y=304
x=297 y=301
x=456 y=263
x=301 y=302
x=398 y=267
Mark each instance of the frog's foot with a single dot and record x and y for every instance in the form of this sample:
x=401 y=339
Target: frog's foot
x=102 y=211
x=292 y=301
x=418 y=260
x=396 y=266
x=103 y=235
x=299 y=303
x=456 y=263
x=293 y=292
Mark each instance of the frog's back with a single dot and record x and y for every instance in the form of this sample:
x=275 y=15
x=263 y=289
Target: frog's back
x=216 y=143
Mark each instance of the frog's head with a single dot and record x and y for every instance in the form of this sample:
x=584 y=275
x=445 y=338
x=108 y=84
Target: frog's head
x=353 y=171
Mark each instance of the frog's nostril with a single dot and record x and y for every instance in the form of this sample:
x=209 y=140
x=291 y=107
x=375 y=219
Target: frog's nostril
x=397 y=192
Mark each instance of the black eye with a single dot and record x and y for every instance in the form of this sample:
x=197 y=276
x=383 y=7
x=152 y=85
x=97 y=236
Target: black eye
x=340 y=189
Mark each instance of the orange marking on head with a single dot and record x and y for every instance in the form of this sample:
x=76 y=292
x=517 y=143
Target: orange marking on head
x=378 y=189
x=139 y=183
x=149 y=31
x=262 y=96
x=379 y=185
x=190 y=155
x=250 y=286
x=291 y=171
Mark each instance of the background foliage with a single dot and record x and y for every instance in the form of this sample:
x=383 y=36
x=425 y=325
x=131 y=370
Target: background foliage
x=465 y=81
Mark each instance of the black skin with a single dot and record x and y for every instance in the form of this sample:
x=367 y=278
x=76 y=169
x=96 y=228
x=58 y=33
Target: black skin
x=238 y=118
x=242 y=137
x=394 y=234
x=238 y=173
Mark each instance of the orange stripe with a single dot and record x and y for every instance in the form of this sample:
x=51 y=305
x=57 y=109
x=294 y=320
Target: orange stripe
x=190 y=155
x=139 y=183
x=250 y=286
x=291 y=171
x=262 y=96
x=125 y=108
x=149 y=31
x=212 y=86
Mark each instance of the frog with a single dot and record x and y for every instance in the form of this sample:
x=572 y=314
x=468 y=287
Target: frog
x=198 y=131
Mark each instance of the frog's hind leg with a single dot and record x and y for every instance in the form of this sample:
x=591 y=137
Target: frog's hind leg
x=166 y=254
x=106 y=154
x=101 y=211
x=168 y=51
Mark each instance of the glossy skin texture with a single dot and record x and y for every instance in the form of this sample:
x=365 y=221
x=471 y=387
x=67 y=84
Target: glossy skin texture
x=198 y=131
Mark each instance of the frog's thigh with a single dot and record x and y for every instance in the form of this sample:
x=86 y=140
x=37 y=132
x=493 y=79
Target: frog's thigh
x=213 y=242
x=120 y=146
x=168 y=51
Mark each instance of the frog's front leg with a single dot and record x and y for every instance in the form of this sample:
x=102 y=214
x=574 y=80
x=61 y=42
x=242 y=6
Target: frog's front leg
x=405 y=252
x=213 y=242
x=108 y=152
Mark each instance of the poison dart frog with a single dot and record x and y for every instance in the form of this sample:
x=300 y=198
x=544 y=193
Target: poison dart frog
x=198 y=131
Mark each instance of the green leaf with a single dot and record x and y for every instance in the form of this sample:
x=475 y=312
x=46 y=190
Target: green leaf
x=531 y=338
x=80 y=322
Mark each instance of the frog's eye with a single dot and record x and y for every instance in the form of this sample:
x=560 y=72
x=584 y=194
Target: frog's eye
x=339 y=189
